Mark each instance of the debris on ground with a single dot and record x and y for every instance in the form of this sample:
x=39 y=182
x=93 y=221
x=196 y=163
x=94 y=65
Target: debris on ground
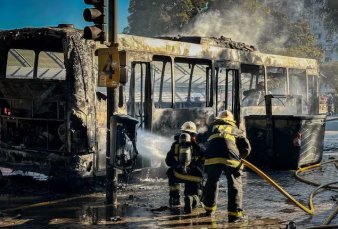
x=115 y=218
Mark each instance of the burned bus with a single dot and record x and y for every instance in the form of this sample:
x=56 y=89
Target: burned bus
x=54 y=117
x=275 y=98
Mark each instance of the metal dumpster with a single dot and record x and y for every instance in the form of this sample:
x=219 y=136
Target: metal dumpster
x=285 y=141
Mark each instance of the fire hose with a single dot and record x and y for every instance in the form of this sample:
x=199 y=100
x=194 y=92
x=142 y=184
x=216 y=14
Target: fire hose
x=310 y=210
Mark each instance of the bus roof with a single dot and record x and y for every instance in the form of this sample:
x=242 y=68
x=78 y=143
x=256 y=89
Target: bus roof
x=50 y=38
x=166 y=47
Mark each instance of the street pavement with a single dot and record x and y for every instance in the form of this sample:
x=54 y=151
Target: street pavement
x=144 y=204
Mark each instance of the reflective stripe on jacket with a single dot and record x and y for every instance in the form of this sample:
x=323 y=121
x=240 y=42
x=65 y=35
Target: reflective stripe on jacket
x=225 y=161
x=187 y=177
x=227 y=144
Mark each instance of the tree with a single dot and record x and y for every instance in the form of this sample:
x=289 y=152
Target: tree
x=242 y=20
x=255 y=23
x=331 y=16
x=152 y=18
x=301 y=42
x=331 y=72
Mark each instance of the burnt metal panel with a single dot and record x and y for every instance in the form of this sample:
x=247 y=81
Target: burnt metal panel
x=276 y=148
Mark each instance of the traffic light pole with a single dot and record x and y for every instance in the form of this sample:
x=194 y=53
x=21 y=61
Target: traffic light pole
x=112 y=103
x=112 y=22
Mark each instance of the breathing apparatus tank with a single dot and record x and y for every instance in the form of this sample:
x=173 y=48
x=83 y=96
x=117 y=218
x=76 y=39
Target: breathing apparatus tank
x=185 y=151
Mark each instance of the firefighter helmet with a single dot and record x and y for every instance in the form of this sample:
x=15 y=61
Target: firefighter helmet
x=226 y=115
x=189 y=127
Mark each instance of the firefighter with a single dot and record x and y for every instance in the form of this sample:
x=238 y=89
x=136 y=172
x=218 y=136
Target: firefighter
x=226 y=145
x=185 y=166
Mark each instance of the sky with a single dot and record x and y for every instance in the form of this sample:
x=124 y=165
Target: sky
x=39 y=13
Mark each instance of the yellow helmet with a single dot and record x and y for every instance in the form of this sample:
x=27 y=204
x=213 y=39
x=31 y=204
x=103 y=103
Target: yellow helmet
x=189 y=127
x=226 y=115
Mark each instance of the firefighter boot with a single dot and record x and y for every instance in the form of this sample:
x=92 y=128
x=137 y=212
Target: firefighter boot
x=188 y=204
x=174 y=199
x=238 y=219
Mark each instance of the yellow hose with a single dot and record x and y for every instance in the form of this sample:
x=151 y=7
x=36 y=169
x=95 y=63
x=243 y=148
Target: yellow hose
x=330 y=217
x=301 y=170
x=309 y=210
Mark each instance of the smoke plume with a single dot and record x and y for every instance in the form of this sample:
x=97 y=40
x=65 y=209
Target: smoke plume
x=259 y=27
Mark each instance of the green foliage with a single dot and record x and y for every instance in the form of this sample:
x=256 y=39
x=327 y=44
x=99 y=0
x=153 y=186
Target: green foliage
x=151 y=18
x=301 y=42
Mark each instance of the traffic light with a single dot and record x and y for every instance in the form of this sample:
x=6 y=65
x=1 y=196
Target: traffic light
x=97 y=15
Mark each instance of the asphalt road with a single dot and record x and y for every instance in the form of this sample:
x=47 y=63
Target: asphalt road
x=145 y=203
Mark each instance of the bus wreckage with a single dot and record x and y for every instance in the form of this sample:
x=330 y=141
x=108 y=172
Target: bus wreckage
x=53 y=114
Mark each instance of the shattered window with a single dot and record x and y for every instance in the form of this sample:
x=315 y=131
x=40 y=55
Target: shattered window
x=51 y=66
x=297 y=79
x=277 y=84
x=191 y=84
x=20 y=64
x=140 y=75
x=252 y=85
x=298 y=86
x=225 y=89
x=162 y=84
x=312 y=92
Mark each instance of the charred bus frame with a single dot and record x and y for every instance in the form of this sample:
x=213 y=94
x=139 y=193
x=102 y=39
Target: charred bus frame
x=239 y=72
x=171 y=81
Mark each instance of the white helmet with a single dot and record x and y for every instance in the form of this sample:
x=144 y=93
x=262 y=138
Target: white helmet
x=189 y=127
x=226 y=115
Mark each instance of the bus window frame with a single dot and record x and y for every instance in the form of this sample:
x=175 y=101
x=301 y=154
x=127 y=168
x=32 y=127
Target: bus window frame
x=37 y=61
x=165 y=60
x=209 y=79
x=285 y=75
x=34 y=67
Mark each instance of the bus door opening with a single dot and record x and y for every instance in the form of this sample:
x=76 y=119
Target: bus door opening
x=228 y=93
x=140 y=93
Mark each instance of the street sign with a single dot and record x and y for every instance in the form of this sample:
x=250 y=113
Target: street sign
x=108 y=67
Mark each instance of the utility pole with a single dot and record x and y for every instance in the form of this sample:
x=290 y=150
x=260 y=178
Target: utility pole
x=112 y=104
x=108 y=74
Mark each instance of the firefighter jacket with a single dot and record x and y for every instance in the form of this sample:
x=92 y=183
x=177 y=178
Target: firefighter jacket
x=172 y=156
x=226 y=144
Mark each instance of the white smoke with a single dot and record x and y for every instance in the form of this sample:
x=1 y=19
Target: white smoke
x=152 y=146
x=239 y=25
